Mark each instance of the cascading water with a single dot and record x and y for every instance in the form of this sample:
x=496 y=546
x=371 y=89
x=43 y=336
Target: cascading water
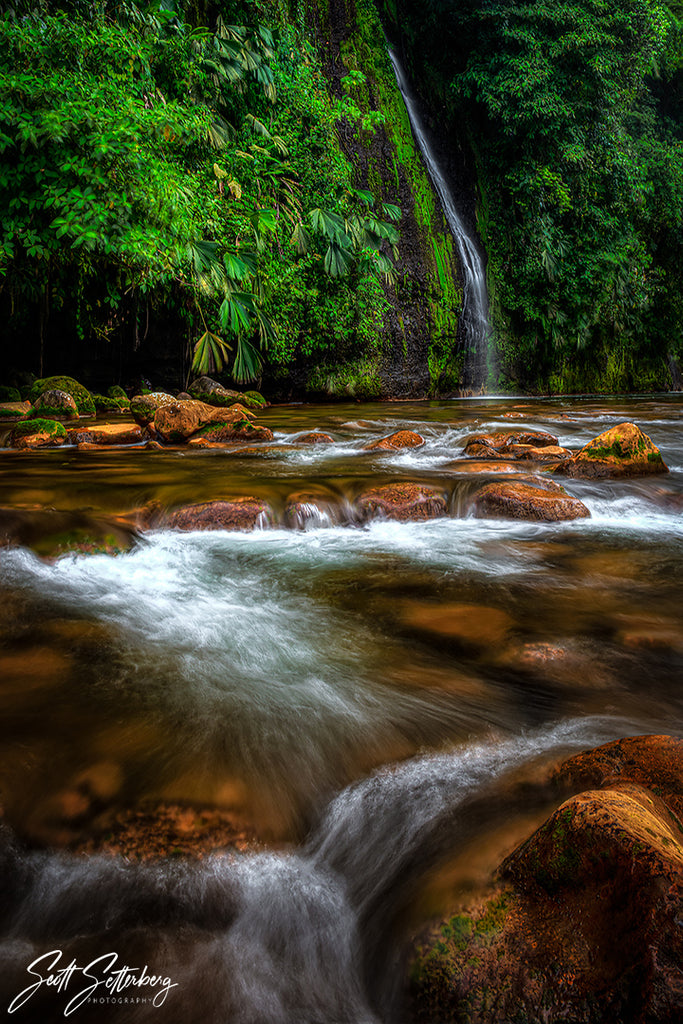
x=475 y=300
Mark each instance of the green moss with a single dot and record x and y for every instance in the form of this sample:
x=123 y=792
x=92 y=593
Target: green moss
x=8 y=414
x=654 y=457
x=116 y=392
x=9 y=394
x=80 y=394
x=105 y=404
x=359 y=379
x=39 y=426
x=257 y=400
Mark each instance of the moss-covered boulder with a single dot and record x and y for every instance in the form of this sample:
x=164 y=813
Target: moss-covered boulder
x=587 y=926
x=55 y=405
x=107 y=404
x=254 y=400
x=38 y=433
x=623 y=450
x=143 y=407
x=116 y=391
x=404 y=502
x=516 y=500
x=9 y=394
x=80 y=394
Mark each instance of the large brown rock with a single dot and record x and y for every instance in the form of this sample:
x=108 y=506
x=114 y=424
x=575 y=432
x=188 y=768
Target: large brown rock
x=314 y=437
x=177 y=421
x=512 y=500
x=623 y=450
x=503 y=439
x=411 y=502
x=587 y=928
x=237 y=514
x=397 y=440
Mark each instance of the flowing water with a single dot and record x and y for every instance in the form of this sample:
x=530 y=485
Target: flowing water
x=477 y=330
x=381 y=702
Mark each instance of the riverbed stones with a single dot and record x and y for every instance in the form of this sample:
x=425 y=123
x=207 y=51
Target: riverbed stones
x=501 y=443
x=470 y=626
x=403 y=502
x=177 y=421
x=514 y=500
x=235 y=514
x=241 y=430
x=55 y=405
x=621 y=451
x=399 y=439
x=144 y=407
x=587 y=925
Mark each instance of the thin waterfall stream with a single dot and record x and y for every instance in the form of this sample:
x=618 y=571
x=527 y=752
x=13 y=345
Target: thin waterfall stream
x=477 y=329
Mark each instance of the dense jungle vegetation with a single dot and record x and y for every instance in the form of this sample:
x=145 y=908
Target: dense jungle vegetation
x=573 y=110
x=207 y=180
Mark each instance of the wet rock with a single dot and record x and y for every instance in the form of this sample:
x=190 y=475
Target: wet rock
x=512 y=500
x=400 y=439
x=242 y=430
x=314 y=437
x=177 y=421
x=549 y=453
x=237 y=514
x=107 y=434
x=623 y=450
x=38 y=433
x=145 y=517
x=183 y=396
x=116 y=391
x=55 y=405
x=204 y=388
x=108 y=405
x=537 y=438
x=311 y=508
x=469 y=625
x=568 y=666
x=404 y=502
x=588 y=926
x=144 y=407
x=80 y=394
x=14 y=410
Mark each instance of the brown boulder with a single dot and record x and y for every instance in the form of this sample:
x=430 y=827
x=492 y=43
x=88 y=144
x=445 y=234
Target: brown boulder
x=623 y=450
x=176 y=421
x=314 y=437
x=55 y=405
x=236 y=514
x=512 y=500
x=400 y=439
x=143 y=407
x=404 y=502
x=548 y=453
x=240 y=431
x=502 y=438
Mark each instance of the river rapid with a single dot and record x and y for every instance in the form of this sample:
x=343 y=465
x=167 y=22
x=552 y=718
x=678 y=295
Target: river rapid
x=380 y=704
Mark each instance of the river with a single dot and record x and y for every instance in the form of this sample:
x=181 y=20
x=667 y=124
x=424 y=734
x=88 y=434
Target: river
x=377 y=703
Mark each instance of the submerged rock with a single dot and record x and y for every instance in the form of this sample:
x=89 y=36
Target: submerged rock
x=400 y=439
x=240 y=430
x=236 y=514
x=513 y=500
x=587 y=928
x=52 y=533
x=404 y=502
x=314 y=437
x=623 y=450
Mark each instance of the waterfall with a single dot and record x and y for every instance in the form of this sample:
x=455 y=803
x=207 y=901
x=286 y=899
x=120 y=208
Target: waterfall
x=475 y=299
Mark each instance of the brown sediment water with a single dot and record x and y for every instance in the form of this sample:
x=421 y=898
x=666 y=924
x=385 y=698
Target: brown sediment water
x=357 y=696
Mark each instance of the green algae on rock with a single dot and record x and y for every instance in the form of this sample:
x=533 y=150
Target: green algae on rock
x=38 y=433
x=79 y=393
x=623 y=450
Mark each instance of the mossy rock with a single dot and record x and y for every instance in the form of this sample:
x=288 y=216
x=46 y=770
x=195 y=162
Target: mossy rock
x=39 y=426
x=9 y=394
x=116 y=391
x=104 y=403
x=9 y=414
x=254 y=400
x=143 y=407
x=80 y=394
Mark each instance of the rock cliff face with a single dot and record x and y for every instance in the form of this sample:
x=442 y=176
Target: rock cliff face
x=420 y=352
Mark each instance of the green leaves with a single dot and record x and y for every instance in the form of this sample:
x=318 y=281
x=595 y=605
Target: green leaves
x=209 y=354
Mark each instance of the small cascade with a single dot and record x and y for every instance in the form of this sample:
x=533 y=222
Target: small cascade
x=475 y=299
